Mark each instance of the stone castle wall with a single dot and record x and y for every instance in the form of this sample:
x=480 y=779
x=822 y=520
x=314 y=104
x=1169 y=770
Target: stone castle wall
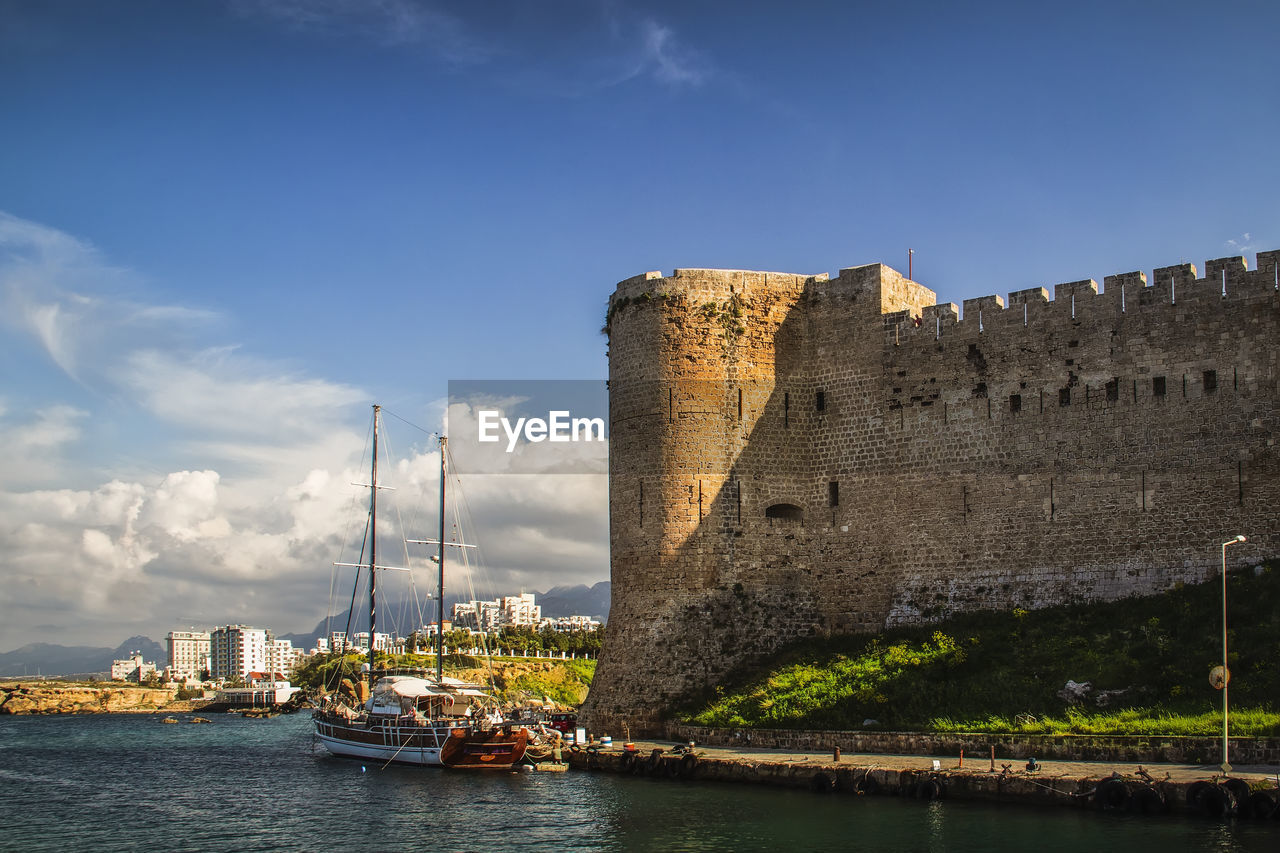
x=794 y=455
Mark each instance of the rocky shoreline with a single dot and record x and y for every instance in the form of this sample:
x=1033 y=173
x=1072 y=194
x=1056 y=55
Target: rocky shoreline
x=58 y=698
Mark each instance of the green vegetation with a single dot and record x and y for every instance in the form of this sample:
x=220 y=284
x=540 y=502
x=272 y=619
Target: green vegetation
x=329 y=670
x=1147 y=659
x=562 y=681
x=527 y=641
x=565 y=683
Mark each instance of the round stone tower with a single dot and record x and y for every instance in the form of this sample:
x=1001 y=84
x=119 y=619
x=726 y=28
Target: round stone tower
x=693 y=365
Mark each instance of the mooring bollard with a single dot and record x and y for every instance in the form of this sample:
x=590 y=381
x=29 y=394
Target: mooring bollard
x=961 y=764
x=836 y=753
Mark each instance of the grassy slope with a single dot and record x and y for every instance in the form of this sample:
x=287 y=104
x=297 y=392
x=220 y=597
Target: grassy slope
x=991 y=671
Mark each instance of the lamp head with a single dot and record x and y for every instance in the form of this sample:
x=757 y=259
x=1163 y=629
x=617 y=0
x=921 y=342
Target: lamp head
x=1240 y=538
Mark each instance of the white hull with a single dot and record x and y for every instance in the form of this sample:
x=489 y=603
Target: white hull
x=404 y=755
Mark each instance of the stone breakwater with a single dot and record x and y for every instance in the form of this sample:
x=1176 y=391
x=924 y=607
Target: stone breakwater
x=46 y=698
x=1251 y=792
x=1150 y=749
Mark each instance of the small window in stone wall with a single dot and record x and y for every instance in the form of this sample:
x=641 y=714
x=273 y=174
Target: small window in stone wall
x=1064 y=397
x=790 y=512
x=820 y=401
x=1157 y=386
x=1015 y=402
x=833 y=493
x=1210 y=381
x=1113 y=390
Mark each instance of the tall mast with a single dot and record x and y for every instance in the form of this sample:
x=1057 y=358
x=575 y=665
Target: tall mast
x=373 y=545
x=444 y=447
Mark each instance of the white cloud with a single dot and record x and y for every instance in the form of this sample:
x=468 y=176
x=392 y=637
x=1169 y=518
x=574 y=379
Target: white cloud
x=32 y=444
x=219 y=391
x=196 y=483
x=49 y=428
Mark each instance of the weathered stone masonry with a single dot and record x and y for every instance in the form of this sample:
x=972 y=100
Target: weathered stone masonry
x=793 y=455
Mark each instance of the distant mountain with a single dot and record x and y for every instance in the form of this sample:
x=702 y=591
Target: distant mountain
x=577 y=600
x=52 y=659
x=152 y=652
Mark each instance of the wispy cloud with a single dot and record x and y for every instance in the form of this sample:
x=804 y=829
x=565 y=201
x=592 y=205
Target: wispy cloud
x=668 y=60
x=628 y=48
x=386 y=22
x=62 y=292
x=1245 y=243
x=565 y=48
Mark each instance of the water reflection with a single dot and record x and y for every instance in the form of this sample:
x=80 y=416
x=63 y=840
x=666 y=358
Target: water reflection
x=107 y=782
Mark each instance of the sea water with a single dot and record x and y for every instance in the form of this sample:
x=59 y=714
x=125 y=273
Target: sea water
x=131 y=782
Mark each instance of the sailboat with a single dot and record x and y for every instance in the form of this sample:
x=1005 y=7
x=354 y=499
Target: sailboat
x=412 y=719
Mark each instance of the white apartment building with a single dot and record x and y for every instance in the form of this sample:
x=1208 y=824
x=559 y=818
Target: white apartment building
x=188 y=654
x=381 y=642
x=131 y=669
x=478 y=615
x=520 y=610
x=570 y=623
x=281 y=657
x=516 y=610
x=235 y=651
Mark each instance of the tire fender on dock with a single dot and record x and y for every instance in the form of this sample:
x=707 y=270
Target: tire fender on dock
x=1111 y=793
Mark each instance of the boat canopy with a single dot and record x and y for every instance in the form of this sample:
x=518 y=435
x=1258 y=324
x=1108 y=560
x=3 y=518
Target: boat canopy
x=408 y=687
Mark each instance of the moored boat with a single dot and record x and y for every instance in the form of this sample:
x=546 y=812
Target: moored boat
x=414 y=720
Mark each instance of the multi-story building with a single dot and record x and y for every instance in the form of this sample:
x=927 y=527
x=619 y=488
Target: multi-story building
x=570 y=623
x=520 y=610
x=188 y=654
x=478 y=615
x=381 y=642
x=517 y=610
x=132 y=668
x=236 y=651
x=281 y=657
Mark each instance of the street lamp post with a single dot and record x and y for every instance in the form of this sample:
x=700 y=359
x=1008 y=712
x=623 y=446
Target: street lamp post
x=1226 y=674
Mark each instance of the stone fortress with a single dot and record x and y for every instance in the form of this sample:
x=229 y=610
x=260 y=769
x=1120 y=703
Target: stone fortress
x=795 y=455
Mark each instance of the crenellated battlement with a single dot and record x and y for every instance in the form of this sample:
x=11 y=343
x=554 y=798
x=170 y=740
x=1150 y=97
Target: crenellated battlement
x=880 y=286
x=1171 y=294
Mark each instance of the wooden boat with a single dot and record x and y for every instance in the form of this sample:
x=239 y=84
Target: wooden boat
x=415 y=720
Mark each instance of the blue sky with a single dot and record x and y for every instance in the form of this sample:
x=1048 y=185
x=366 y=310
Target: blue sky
x=228 y=226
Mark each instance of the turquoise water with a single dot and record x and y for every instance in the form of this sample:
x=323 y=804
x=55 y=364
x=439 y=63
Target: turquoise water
x=130 y=782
